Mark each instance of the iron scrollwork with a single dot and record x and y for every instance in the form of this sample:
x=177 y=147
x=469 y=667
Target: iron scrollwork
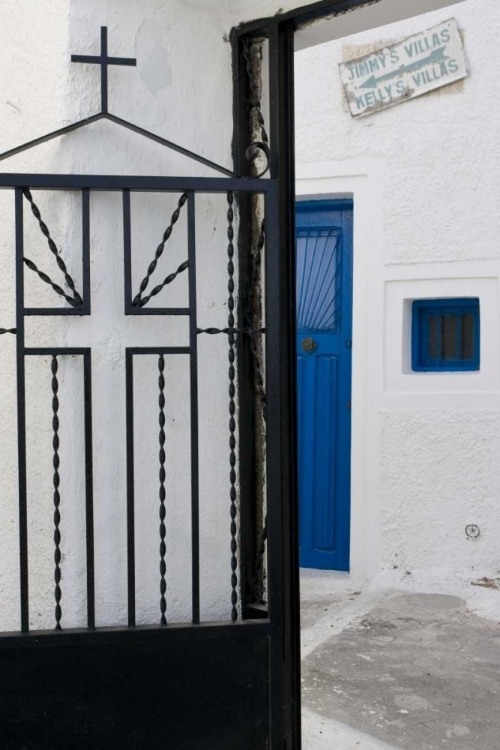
x=252 y=152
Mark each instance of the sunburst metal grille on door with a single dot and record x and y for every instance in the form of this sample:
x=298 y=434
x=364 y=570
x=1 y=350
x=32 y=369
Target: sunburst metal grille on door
x=319 y=272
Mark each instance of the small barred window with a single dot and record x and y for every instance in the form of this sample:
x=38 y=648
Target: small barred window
x=445 y=335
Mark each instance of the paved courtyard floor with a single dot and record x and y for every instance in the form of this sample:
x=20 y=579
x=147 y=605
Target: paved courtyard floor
x=400 y=665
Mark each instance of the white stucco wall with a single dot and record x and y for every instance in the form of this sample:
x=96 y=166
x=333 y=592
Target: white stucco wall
x=425 y=179
x=182 y=90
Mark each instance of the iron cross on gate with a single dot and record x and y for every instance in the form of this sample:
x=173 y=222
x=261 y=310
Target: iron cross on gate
x=103 y=60
x=109 y=333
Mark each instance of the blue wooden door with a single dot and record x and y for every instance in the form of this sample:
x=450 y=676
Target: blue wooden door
x=324 y=348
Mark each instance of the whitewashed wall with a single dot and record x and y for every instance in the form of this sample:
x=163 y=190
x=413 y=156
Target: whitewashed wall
x=425 y=178
x=181 y=90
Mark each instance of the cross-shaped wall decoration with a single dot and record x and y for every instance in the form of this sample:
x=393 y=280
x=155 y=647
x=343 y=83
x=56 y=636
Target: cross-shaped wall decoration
x=103 y=60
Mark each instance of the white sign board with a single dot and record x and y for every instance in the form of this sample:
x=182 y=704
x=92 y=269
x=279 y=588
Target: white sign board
x=405 y=70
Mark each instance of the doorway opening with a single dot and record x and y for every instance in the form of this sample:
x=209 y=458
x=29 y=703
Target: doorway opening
x=333 y=598
x=324 y=363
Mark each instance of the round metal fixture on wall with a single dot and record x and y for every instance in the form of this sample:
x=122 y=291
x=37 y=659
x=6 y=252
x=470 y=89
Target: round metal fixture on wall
x=472 y=531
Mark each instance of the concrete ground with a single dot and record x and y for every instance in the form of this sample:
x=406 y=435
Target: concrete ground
x=400 y=665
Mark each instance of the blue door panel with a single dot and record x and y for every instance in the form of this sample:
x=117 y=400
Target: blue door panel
x=324 y=325
x=324 y=468
x=304 y=447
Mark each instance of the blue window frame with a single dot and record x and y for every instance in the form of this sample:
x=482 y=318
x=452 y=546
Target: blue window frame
x=445 y=335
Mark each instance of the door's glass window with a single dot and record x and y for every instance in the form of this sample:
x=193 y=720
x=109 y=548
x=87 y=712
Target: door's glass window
x=319 y=270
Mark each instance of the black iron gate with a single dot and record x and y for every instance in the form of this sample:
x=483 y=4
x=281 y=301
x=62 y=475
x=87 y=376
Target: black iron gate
x=190 y=685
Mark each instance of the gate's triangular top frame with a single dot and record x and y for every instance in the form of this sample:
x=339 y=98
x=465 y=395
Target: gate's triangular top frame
x=104 y=114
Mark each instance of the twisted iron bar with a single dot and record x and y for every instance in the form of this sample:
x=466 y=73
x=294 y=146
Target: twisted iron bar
x=159 y=250
x=33 y=267
x=8 y=330
x=162 y=476
x=168 y=280
x=255 y=103
x=57 y=496
x=247 y=331
x=76 y=300
x=232 y=407
x=251 y=332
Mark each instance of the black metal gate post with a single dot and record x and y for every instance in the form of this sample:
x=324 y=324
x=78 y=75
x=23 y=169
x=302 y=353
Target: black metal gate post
x=280 y=363
x=281 y=52
x=279 y=32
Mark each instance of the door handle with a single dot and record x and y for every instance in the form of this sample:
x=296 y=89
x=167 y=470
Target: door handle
x=309 y=345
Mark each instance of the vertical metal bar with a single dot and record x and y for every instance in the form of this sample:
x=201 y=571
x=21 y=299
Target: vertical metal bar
x=275 y=497
x=232 y=409
x=193 y=367
x=127 y=249
x=86 y=248
x=129 y=376
x=280 y=293
x=104 y=68
x=89 y=487
x=162 y=492
x=57 y=495
x=21 y=413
